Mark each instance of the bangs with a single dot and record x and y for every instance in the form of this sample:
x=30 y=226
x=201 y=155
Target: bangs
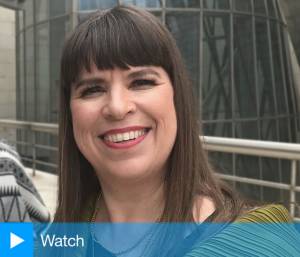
x=115 y=38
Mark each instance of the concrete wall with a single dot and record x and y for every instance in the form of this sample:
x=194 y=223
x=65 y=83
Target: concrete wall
x=7 y=69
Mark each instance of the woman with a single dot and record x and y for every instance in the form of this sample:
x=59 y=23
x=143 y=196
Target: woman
x=129 y=148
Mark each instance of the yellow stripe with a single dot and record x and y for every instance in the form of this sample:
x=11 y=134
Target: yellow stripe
x=267 y=213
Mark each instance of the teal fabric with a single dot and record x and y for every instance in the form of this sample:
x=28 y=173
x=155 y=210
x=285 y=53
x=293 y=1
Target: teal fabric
x=266 y=231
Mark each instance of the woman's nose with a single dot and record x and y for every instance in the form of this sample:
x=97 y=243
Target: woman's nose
x=119 y=104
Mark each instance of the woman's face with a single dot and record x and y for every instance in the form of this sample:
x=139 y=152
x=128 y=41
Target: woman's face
x=124 y=121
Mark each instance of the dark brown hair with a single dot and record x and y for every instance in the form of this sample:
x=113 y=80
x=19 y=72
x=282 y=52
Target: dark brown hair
x=123 y=37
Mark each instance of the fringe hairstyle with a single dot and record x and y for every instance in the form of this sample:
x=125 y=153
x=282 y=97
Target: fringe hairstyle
x=122 y=37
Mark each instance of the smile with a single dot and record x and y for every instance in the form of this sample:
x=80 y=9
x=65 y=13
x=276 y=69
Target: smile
x=124 y=138
x=120 y=137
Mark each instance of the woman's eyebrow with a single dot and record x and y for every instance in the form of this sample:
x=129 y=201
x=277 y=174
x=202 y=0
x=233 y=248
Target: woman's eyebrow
x=143 y=72
x=88 y=81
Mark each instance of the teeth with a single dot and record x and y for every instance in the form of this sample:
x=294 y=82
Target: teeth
x=110 y=138
x=124 y=136
x=136 y=134
x=119 y=137
x=131 y=135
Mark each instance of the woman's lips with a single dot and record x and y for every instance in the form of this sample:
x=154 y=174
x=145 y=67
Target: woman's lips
x=125 y=137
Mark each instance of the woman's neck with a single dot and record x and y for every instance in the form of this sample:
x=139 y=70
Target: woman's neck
x=131 y=202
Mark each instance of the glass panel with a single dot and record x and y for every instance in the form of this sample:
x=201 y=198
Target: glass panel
x=221 y=129
x=246 y=129
x=60 y=7
x=27 y=6
x=23 y=150
x=243 y=5
x=294 y=124
x=244 y=75
x=42 y=72
x=292 y=96
x=297 y=125
x=271 y=169
x=216 y=4
x=250 y=192
x=264 y=81
x=284 y=129
x=271 y=195
x=259 y=6
x=248 y=166
x=143 y=3
x=286 y=170
x=271 y=8
x=268 y=130
x=278 y=10
x=58 y=30
x=186 y=30
x=216 y=89
x=297 y=211
x=183 y=3
x=42 y=10
x=45 y=155
x=282 y=107
x=96 y=4
x=29 y=69
x=222 y=162
x=271 y=172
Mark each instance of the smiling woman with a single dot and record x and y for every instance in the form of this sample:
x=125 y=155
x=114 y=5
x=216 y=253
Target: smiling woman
x=129 y=129
x=129 y=146
x=124 y=123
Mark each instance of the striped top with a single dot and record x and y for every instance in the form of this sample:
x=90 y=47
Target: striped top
x=264 y=231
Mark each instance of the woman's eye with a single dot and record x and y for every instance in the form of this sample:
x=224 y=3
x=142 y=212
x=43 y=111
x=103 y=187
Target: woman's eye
x=141 y=83
x=92 y=90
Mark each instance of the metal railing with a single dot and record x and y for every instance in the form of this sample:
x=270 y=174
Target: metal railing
x=32 y=127
x=287 y=151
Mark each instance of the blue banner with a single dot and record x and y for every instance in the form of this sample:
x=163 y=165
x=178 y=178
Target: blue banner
x=149 y=239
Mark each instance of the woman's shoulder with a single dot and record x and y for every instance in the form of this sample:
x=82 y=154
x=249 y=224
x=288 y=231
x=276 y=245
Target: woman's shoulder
x=265 y=213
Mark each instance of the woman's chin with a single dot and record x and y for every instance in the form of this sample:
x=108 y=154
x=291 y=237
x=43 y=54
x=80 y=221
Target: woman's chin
x=130 y=174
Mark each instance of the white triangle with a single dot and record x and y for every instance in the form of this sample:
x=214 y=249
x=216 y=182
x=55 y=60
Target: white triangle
x=15 y=240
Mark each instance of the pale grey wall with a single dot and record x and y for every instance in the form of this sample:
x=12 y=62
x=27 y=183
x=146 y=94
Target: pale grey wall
x=7 y=69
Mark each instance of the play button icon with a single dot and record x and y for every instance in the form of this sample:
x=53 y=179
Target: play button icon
x=15 y=240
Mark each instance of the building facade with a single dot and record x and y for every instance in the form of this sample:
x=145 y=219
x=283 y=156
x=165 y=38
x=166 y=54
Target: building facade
x=237 y=52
